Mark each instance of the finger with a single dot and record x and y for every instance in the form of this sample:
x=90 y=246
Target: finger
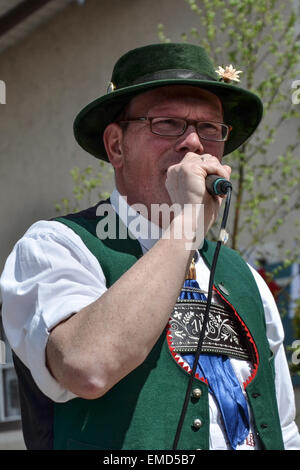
x=207 y=162
x=227 y=168
x=210 y=166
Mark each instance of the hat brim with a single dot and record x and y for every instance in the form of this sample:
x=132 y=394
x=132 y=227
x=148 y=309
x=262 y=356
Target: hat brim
x=242 y=110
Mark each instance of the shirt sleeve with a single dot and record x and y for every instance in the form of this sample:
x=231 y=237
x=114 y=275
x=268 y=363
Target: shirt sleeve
x=49 y=275
x=284 y=388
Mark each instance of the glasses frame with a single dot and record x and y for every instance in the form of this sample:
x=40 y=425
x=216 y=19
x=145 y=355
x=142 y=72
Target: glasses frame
x=187 y=123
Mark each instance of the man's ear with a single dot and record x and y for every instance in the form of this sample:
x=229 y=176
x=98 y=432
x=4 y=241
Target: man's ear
x=113 y=138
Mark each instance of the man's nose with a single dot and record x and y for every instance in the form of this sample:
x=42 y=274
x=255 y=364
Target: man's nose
x=190 y=141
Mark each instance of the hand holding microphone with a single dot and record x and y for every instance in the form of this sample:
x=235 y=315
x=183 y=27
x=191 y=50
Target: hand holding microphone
x=216 y=185
x=184 y=179
x=199 y=179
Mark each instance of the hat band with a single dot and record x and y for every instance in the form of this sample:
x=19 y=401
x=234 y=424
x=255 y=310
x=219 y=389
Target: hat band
x=185 y=74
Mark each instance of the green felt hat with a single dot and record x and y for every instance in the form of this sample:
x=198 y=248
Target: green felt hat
x=158 y=65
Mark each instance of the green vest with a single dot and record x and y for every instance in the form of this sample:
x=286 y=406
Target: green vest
x=143 y=409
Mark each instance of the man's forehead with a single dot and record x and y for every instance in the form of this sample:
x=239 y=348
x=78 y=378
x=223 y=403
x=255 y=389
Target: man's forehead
x=168 y=96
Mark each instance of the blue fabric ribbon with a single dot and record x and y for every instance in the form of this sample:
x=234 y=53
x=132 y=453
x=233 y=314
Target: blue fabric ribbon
x=191 y=295
x=222 y=383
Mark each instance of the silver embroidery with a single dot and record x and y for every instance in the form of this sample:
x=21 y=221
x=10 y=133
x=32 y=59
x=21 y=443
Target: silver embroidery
x=224 y=333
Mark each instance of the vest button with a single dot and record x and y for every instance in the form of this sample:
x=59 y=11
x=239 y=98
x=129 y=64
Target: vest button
x=197 y=423
x=197 y=392
x=223 y=289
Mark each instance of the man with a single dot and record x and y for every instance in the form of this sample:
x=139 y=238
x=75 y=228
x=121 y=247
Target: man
x=88 y=317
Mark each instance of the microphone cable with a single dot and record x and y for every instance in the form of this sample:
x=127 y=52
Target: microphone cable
x=223 y=237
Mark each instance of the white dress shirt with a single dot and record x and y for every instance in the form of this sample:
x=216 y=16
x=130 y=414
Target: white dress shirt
x=50 y=274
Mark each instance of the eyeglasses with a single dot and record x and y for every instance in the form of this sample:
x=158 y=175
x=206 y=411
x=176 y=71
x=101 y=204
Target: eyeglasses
x=173 y=127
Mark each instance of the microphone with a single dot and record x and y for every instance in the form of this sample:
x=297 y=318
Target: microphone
x=216 y=185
